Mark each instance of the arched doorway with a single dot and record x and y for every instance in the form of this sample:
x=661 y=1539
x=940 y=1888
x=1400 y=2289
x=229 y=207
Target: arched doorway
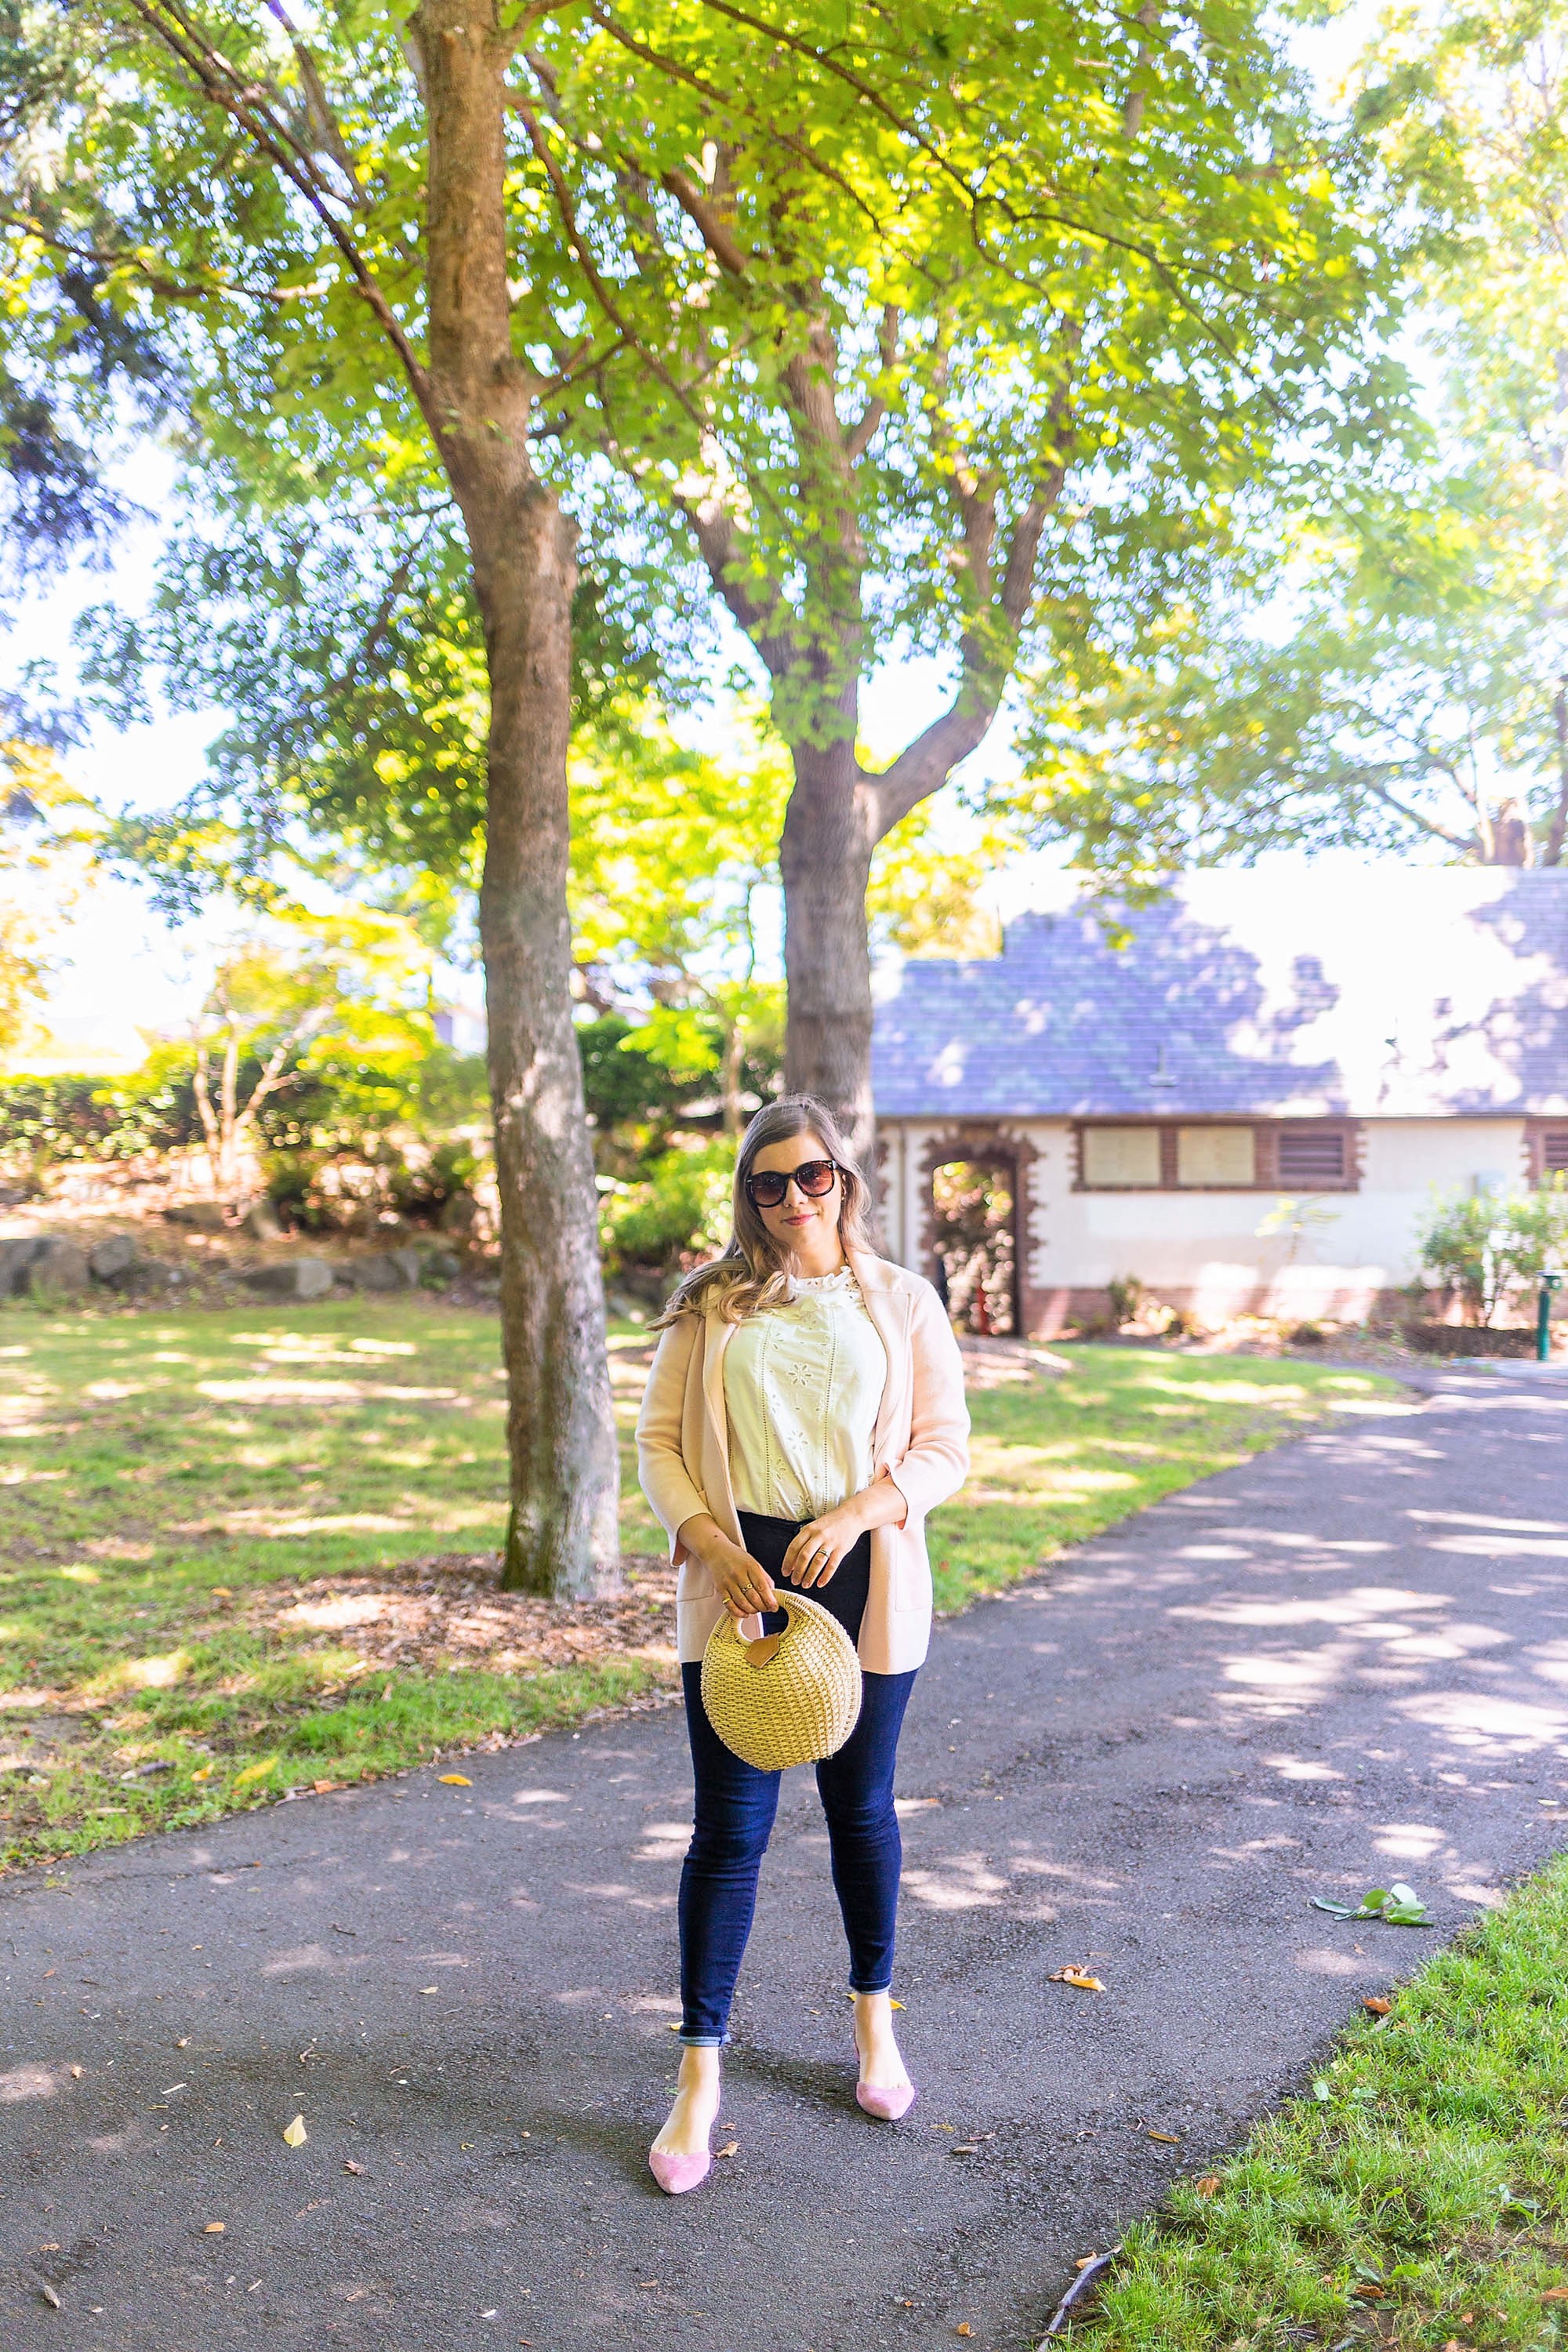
x=975 y=1241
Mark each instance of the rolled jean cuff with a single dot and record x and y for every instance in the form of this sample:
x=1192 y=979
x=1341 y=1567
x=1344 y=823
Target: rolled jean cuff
x=703 y=2041
x=886 y=1985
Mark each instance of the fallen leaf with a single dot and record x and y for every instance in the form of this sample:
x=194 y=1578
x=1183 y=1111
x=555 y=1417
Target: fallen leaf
x=1555 y=2295
x=215 y=2229
x=323 y=1788
x=52 y=2299
x=350 y=2166
x=296 y=2134
x=1084 y=2261
x=1208 y=2186
x=1376 y=2005
x=223 y=1592
x=453 y=1781
x=1171 y=2139
x=731 y=2148
x=429 y=1988
x=1368 y=2293
x=1076 y=1976
x=49 y=2246
x=77 y=2074
x=964 y=2148
x=964 y=2328
x=205 y=1773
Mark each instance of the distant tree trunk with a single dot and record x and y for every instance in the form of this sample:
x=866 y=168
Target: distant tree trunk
x=560 y=1430
x=830 y=830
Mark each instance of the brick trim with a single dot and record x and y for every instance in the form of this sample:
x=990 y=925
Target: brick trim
x=992 y=1140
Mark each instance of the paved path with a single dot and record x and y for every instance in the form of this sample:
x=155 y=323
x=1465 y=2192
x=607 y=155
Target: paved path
x=1346 y=1662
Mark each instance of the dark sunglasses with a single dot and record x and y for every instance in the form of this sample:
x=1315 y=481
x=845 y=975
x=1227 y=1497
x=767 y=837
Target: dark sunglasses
x=814 y=1178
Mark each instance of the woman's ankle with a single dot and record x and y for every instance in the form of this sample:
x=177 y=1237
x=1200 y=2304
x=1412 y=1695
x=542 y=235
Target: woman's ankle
x=700 y=2068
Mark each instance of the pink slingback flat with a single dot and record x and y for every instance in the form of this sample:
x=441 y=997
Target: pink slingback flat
x=677 y=2174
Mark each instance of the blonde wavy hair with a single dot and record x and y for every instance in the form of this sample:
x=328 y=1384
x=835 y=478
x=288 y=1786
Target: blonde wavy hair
x=754 y=1271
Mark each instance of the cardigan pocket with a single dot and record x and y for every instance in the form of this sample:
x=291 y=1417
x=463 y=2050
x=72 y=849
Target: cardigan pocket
x=909 y=1581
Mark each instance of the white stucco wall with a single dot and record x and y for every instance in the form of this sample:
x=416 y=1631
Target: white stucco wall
x=1206 y=1245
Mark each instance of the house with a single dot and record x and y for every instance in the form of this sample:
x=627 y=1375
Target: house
x=1248 y=1106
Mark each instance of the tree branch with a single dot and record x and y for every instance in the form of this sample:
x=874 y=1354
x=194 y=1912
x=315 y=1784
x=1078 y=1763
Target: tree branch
x=168 y=24
x=863 y=431
x=591 y=271
x=1414 y=817
x=989 y=650
x=716 y=236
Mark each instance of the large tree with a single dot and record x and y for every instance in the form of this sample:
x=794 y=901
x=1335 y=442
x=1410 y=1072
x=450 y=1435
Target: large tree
x=961 y=387
x=360 y=249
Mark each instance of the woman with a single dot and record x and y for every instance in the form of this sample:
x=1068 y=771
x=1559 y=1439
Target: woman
x=804 y=1412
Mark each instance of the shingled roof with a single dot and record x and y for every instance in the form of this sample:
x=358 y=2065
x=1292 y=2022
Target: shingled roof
x=1392 y=992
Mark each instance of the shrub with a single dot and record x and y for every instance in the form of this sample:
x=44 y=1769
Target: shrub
x=421 y=1192
x=680 y=1212
x=1483 y=1247
x=1126 y=1297
x=43 y=1121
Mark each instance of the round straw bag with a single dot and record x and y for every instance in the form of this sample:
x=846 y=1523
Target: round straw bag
x=790 y=1698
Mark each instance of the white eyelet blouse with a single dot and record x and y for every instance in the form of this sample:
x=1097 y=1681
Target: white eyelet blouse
x=803 y=1382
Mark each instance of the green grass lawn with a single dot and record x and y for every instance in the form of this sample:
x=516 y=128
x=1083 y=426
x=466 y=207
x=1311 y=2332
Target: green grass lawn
x=166 y=1477
x=1416 y=2197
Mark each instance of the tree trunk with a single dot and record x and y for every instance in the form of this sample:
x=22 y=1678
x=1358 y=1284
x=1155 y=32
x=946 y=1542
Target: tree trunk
x=561 y=1430
x=829 y=834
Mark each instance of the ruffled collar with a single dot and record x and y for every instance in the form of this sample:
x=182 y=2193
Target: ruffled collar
x=823 y=1286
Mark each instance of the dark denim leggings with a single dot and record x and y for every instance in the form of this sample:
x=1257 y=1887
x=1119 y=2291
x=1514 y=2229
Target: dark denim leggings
x=736 y=1805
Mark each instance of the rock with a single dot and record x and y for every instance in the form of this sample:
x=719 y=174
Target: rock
x=410 y=1265
x=59 y=1265
x=149 y=1275
x=111 y=1260
x=439 y=1266
x=203 y=1216
x=292 y=1278
x=458 y=1211
x=260 y=1221
x=378 y=1273
x=15 y=1260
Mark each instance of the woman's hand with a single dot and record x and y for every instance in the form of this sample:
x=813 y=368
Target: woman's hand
x=746 y=1588
x=817 y=1549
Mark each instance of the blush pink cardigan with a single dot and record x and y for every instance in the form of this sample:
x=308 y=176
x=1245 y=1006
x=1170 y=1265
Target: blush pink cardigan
x=920 y=1441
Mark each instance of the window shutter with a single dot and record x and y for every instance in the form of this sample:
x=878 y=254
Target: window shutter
x=1121 y=1155
x=1312 y=1157
x=1215 y=1155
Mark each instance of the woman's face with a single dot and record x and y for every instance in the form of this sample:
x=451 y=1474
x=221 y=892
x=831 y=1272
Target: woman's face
x=809 y=1228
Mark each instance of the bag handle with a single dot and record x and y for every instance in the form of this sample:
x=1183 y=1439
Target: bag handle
x=767 y=1646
